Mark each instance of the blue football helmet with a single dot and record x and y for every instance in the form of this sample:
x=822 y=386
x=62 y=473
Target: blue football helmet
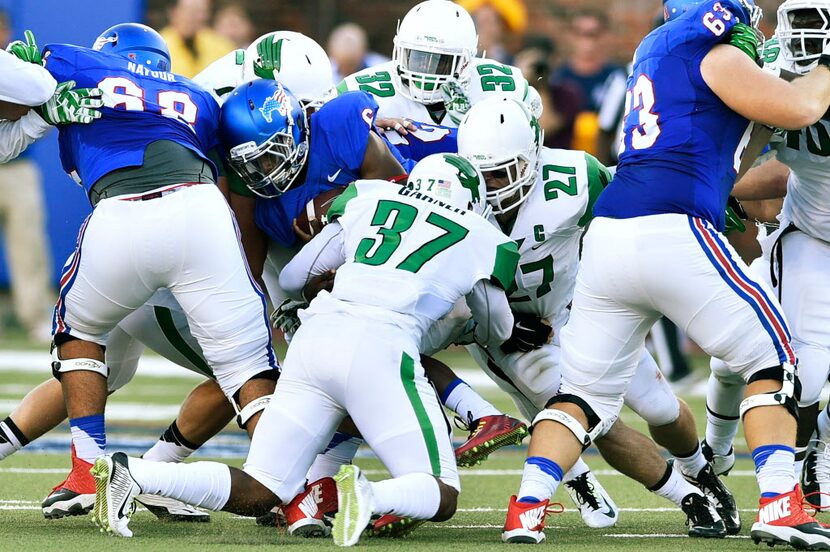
x=265 y=132
x=672 y=9
x=136 y=42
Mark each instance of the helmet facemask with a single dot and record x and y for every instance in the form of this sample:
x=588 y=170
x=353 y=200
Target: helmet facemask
x=803 y=32
x=423 y=71
x=520 y=173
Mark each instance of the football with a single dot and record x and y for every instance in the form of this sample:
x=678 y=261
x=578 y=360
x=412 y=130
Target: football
x=317 y=208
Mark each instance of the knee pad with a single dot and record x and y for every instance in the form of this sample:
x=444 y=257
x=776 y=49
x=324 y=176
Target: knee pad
x=787 y=396
x=595 y=427
x=244 y=414
x=60 y=366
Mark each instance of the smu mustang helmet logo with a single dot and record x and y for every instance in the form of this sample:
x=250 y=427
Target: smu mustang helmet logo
x=278 y=102
x=101 y=40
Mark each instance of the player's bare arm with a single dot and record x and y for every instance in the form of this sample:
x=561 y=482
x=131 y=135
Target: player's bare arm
x=766 y=181
x=254 y=241
x=378 y=161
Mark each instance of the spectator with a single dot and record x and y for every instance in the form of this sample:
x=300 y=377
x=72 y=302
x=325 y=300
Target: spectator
x=233 y=23
x=561 y=101
x=193 y=45
x=492 y=19
x=348 y=49
x=21 y=211
x=589 y=69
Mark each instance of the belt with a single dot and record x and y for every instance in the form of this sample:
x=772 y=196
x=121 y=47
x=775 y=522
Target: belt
x=158 y=193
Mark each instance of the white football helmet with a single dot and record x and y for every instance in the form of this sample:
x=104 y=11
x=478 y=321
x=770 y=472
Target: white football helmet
x=502 y=138
x=302 y=66
x=434 y=44
x=803 y=31
x=451 y=179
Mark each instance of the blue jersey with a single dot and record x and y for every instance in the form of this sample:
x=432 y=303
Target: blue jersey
x=682 y=144
x=140 y=107
x=339 y=136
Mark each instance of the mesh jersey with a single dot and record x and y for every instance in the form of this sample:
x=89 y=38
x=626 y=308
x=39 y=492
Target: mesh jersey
x=682 y=144
x=486 y=76
x=807 y=153
x=548 y=228
x=223 y=75
x=140 y=107
x=409 y=258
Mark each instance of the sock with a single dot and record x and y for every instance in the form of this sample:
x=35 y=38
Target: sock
x=89 y=437
x=824 y=424
x=203 y=484
x=690 y=464
x=774 y=469
x=415 y=495
x=171 y=447
x=540 y=479
x=673 y=487
x=461 y=399
x=341 y=450
x=578 y=469
x=721 y=431
x=11 y=438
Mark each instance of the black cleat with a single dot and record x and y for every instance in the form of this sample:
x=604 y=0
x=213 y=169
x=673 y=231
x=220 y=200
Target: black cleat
x=720 y=496
x=702 y=519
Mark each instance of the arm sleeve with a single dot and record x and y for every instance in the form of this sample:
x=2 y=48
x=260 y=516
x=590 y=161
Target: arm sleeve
x=598 y=178
x=16 y=136
x=324 y=252
x=492 y=314
x=24 y=83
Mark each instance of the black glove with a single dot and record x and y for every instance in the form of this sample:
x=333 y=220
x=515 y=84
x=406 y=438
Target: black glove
x=529 y=332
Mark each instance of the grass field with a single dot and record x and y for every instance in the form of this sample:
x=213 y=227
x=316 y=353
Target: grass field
x=144 y=408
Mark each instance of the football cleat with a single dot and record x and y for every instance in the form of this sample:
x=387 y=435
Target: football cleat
x=274 y=518
x=487 y=435
x=597 y=508
x=815 y=477
x=722 y=464
x=781 y=520
x=305 y=514
x=170 y=509
x=525 y=522
x=720 y=496
x=702 y=518
x=75 y=495
x=115 y=492
x=355 y=505
x=393 y=527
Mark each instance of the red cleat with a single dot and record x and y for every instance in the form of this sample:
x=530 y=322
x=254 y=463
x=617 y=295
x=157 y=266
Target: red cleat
x=75 y=495
x=305 y=514
x=782 y=520
x=487 y=435
x=525 y=523
x=392 y=526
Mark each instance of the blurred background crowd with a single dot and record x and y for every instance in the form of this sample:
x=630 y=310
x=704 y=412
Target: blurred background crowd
x=575 y=52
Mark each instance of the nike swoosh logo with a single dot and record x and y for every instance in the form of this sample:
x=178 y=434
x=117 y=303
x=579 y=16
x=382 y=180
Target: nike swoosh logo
x=609 y=512
x=333 y=177
x=525 y=328
x=537 y=246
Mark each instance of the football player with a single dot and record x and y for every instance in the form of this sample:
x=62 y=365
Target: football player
x=439 y=249
x=657 y=249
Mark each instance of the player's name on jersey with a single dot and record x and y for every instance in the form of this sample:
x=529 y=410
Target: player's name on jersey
x=405 y=191
x=145 y=72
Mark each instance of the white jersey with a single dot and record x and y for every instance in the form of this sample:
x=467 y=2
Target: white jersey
x=486 y=77
x=15 y=136
x=548 y=228
x=223 y=75
x=24 y=83
x=409 y=258
x=807 y=153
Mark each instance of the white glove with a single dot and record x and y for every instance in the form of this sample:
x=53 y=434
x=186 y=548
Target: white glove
x=285 y=317
x=456 y=101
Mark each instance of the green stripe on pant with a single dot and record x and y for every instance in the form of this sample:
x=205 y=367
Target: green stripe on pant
x=428 y=431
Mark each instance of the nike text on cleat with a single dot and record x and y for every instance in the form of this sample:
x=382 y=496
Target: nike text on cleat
x=525 y=522
x=781 y=520
x=75 y=495
x=720 y=496
x=722 y=464
x=170 y=509
x=597 y=508
x=702 y=519
x=114 y=494
x=815 y=477
x=392 y=526
x=487 y=435
x=355 y=504
x=305 y=514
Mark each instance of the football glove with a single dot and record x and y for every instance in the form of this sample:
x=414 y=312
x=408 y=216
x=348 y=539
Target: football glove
x=268 y=58
x=744 y=38
x=285 y=316
x=735 y=216
x=456 y=101
x=529 y=332
x=26 y=51
x=68 y=105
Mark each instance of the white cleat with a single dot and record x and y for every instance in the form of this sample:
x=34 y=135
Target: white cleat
x=597 y=508
x=356 y=503
x=170 y=509
x=115 y=492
